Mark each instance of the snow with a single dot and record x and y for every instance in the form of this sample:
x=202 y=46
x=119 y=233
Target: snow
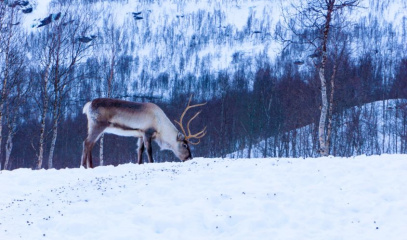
x=316 y=198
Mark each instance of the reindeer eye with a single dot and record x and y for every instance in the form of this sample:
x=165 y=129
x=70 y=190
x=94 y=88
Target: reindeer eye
x=185 y=145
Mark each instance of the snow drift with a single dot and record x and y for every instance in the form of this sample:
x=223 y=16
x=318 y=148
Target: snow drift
x=314 y=198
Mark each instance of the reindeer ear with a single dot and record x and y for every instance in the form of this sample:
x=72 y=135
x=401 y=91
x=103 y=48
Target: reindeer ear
x=180 y=137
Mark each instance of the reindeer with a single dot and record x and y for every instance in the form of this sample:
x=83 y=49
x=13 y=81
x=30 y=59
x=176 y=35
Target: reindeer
x=145 y=121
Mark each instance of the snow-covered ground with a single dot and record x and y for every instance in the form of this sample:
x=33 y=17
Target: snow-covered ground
x=322 y=198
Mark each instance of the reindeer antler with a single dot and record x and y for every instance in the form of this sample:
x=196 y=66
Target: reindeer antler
x=197 y=135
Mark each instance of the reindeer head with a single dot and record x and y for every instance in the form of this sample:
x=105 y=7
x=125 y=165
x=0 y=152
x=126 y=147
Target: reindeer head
x=185 y=138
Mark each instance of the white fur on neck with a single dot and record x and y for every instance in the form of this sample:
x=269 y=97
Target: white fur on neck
x=167 y=137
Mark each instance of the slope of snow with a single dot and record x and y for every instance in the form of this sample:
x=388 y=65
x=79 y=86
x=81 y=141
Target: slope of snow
x=380 y=125
x=324 y=198
x=179 y=38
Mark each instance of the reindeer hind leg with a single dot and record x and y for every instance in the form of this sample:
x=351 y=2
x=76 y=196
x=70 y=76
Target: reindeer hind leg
x=93 y=135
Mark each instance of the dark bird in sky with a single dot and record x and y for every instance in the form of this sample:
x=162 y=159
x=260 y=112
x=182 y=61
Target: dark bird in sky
x=137 y=16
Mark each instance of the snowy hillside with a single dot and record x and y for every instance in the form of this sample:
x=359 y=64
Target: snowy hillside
x=324 y=198
x=175 y=40
x=376 y=127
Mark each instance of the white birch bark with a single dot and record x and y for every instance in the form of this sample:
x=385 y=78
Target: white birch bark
x=324 y=111
x=43 y=117
x=324 y=97
x=54 y=138
x=9 y=148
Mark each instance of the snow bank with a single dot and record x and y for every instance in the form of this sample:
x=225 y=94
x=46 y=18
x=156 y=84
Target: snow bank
x=324 y=198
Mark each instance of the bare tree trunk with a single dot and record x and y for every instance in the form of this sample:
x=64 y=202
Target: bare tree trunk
x=3 y=98
x=267 y=110
x=324 y=108
x=57 y=97
x=11 y=126
x=249 y=150
x=324 y=112
x=265 y=147
x=1 y=128
x=294 y=143
x=42 y=135
x=43 y=117
x=56 y=106
x=54 y=137
x=331 y=104
x=9 y=143
x=9 y=147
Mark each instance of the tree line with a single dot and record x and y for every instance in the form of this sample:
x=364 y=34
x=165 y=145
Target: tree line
x=278 y=118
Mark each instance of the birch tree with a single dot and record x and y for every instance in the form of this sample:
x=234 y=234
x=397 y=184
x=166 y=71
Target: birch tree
x=67 y=42
x=10 y=47
x=73 y=44
x=18 y=89
x=43 y=45
x=312 y=24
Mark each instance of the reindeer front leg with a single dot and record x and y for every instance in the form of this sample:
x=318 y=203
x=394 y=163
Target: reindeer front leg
x=148 y=135
x=140 y=150
x=147 y=143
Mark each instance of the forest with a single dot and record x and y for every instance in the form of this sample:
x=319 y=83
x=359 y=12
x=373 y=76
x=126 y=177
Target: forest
x=258 y=73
